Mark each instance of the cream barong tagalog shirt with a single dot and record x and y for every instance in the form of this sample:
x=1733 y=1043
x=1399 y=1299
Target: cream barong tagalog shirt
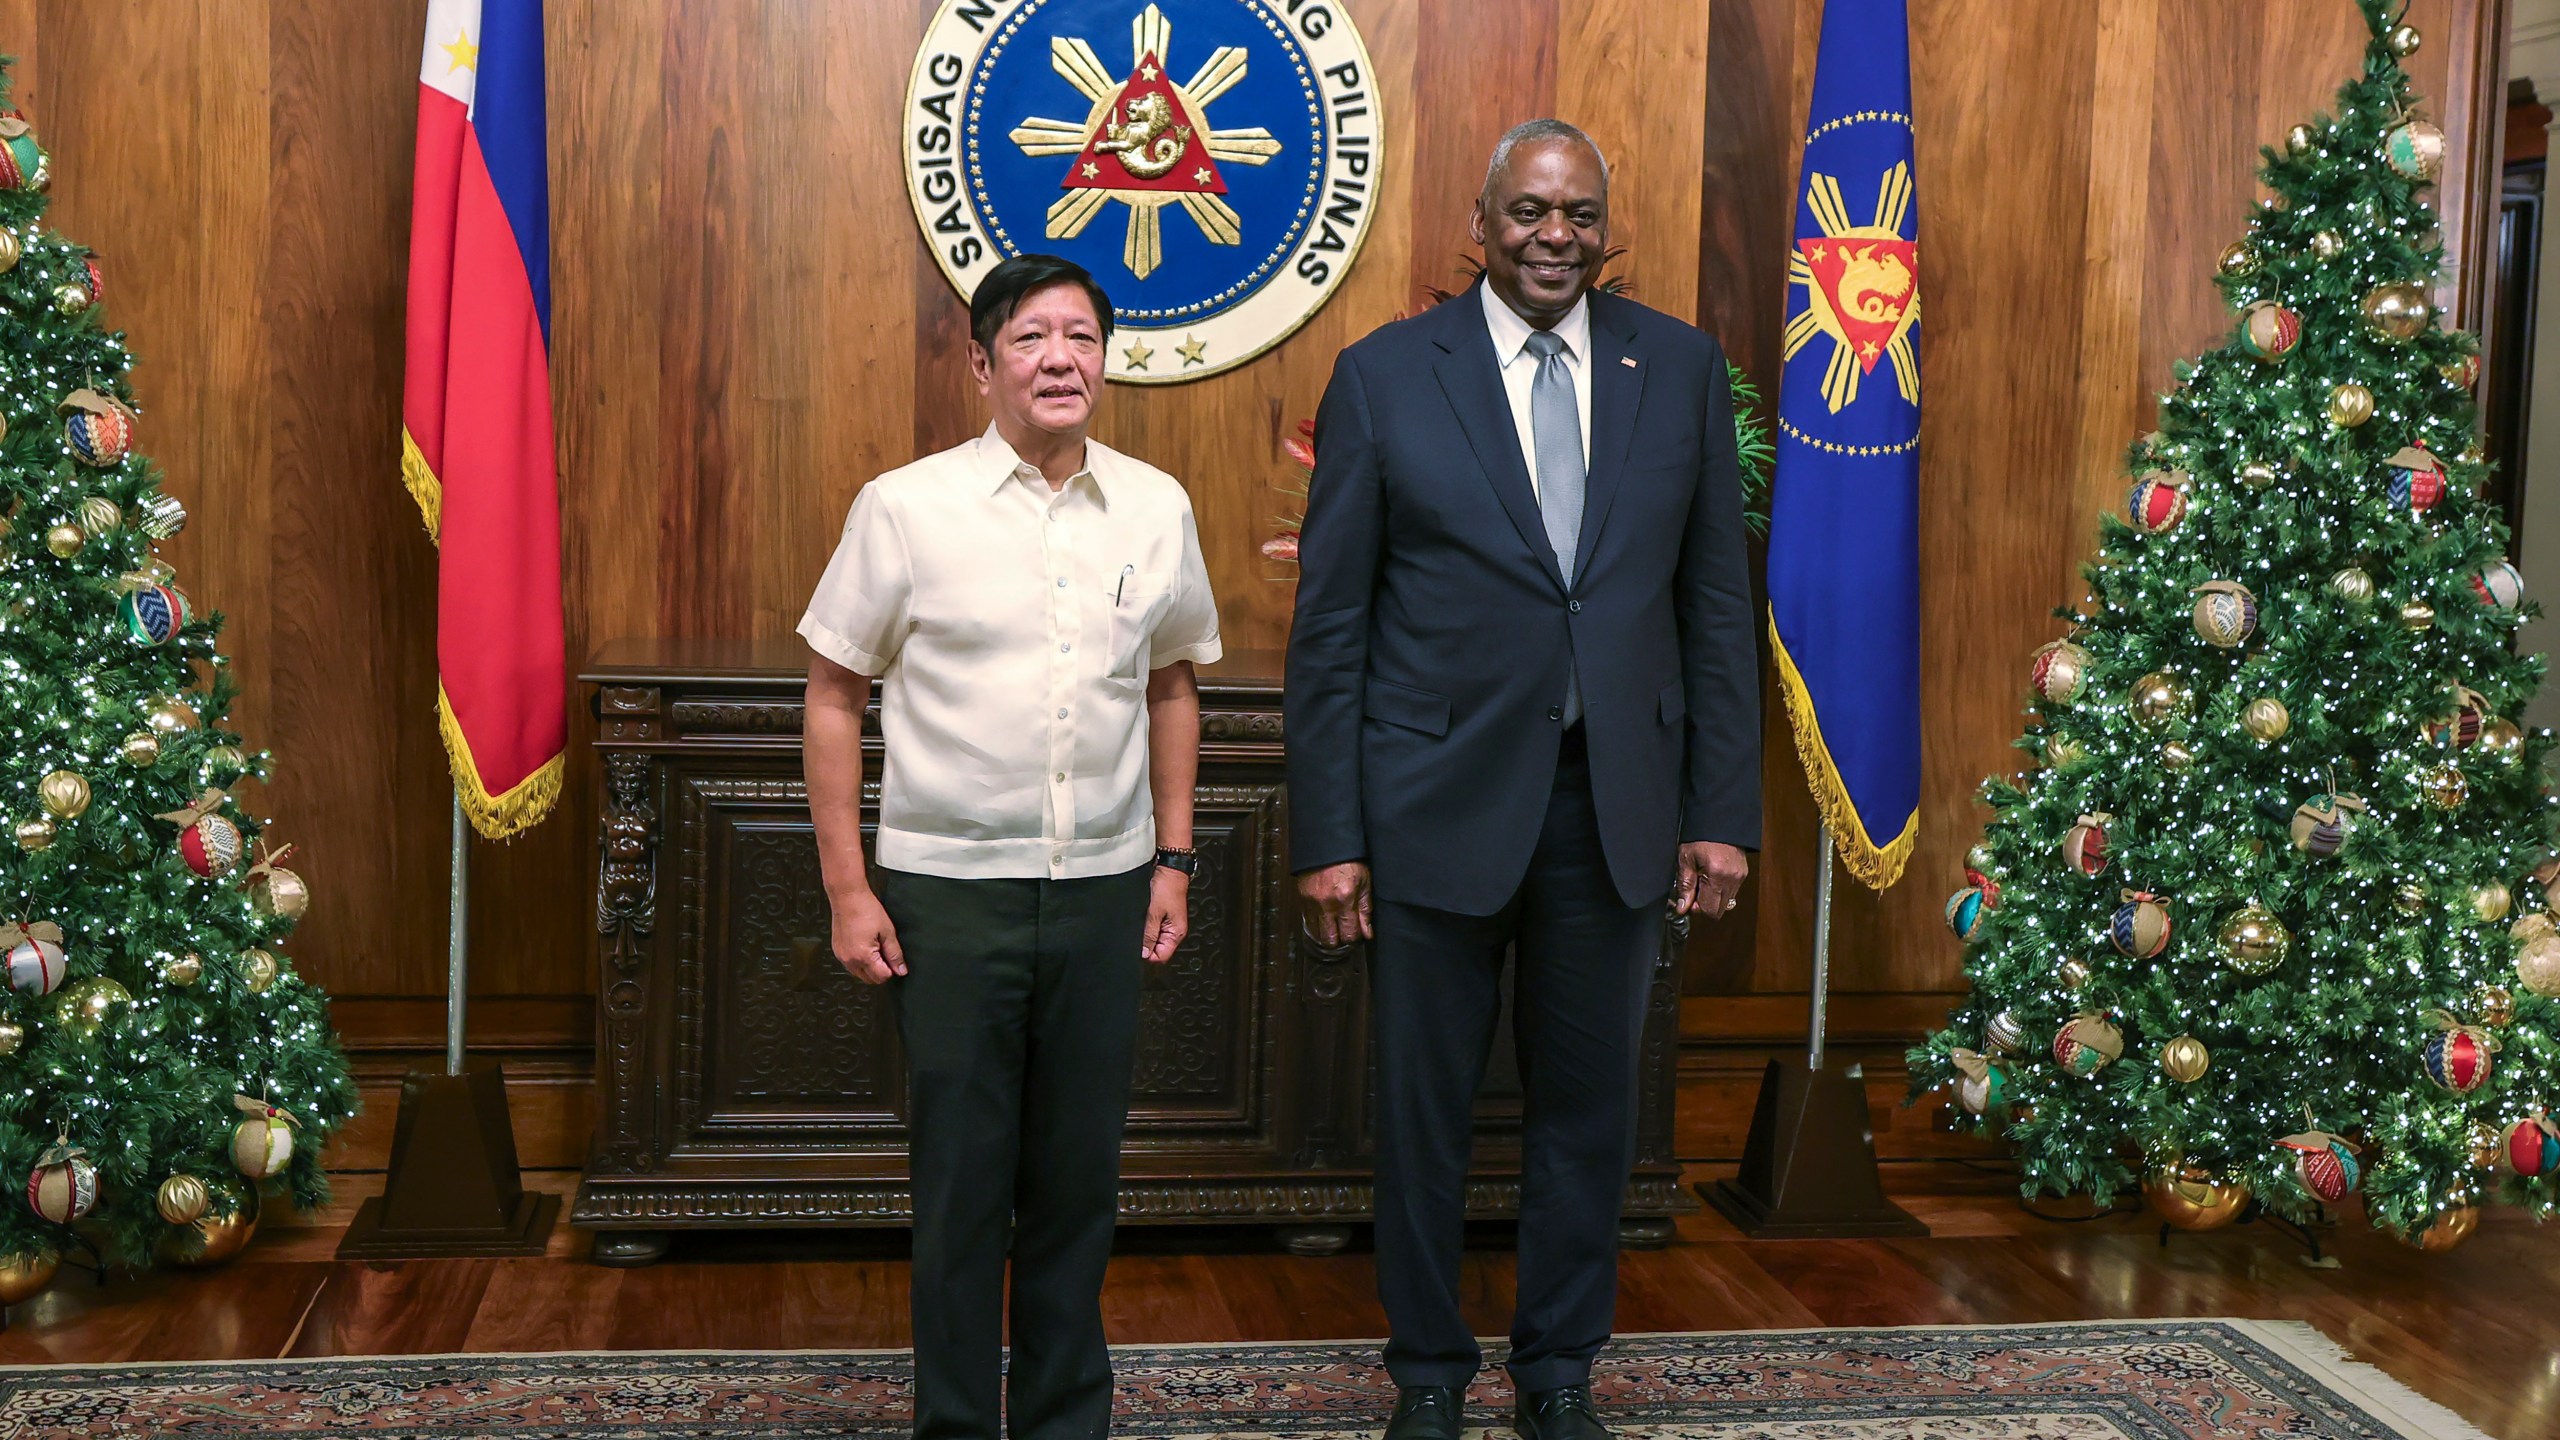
x=1011 y=629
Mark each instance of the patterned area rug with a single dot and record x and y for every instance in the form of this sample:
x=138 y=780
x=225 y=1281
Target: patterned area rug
x=2137 y=1380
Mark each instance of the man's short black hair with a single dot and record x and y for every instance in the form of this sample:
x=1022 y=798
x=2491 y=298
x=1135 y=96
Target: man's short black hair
x=1006 y=284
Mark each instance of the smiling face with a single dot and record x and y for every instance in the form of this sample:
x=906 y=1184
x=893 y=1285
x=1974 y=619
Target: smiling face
x=1544 y=224
x=1045 y=367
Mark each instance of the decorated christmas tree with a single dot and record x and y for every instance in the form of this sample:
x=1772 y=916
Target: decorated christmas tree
x=2266 y=918
x=160 y=1062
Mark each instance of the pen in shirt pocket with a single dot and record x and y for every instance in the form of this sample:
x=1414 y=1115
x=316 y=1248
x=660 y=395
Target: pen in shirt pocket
x=1123 y=587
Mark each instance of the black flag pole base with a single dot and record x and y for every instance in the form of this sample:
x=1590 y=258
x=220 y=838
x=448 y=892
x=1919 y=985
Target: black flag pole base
x=1809 y=1167
x=454 y=1190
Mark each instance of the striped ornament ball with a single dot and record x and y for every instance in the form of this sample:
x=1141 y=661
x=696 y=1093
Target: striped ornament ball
x=154 y=616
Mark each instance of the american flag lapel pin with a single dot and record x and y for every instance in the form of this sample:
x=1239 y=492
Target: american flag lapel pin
x=1627 y=360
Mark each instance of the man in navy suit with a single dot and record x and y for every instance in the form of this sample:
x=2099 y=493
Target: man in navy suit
x=1522 y=711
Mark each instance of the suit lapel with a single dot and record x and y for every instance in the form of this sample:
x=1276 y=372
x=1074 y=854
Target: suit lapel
x=1472 y=379
x=1617 y=388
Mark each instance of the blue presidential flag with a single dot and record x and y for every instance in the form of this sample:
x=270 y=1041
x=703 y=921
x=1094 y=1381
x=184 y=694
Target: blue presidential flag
x=1844 y=585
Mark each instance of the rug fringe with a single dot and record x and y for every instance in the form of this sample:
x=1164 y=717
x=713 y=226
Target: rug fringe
x=2404 y=1409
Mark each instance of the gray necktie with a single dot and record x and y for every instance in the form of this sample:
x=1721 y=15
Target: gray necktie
x=1555 y=430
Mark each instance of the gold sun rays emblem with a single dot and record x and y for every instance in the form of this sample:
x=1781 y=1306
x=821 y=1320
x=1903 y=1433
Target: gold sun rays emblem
x=1862 y=288
x=1146 y=143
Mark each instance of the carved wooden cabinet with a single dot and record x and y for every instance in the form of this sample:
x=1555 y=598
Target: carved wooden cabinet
x=745 y=1080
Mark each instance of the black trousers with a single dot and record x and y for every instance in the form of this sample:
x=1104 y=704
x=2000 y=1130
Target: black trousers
x=1582 y=971
x=1019 y=1011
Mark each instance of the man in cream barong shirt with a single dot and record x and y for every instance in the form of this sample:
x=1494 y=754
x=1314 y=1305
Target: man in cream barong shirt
x=1032 y=604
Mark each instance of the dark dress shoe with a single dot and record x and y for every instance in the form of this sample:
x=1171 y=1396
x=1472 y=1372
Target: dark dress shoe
x=1563 y=1413
x=1425 y=1412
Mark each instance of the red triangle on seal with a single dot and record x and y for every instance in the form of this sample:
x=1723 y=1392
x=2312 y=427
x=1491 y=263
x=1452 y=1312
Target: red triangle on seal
x=1148 y=140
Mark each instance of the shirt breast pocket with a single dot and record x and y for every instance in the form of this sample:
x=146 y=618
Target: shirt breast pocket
x=1141 y=599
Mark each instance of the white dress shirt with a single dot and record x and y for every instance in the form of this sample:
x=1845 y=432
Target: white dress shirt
x=1012 y=628
x=1520 y=368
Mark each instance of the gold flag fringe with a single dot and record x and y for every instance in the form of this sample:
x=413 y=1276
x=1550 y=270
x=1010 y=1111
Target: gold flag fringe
x=422 y=483
x=497 y=816
x=1876 y=866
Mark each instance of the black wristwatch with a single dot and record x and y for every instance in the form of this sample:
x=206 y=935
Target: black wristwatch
x=1186 y=861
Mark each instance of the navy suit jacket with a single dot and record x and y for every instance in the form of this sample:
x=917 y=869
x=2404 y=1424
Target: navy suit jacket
x=1427 y=664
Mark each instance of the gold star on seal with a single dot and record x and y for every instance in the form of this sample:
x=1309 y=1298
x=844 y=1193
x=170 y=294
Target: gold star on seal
x=1091 y=170
x=1195 y=351
x=1139 y=355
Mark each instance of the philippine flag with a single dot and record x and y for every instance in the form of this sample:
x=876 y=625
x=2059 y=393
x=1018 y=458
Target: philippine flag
x=476 y=413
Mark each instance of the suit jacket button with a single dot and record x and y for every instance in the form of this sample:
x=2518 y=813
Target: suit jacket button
x=1555 y=712
x=1573 y=605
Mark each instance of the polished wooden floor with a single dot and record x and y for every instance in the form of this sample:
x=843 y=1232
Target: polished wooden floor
x=2477 y=1330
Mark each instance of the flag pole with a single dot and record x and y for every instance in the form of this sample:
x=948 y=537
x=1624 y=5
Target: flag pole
x=457 y=951
x=1809 y=1165
x=1821 y=952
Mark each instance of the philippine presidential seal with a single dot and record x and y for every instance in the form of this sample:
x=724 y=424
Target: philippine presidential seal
x=1214 y=163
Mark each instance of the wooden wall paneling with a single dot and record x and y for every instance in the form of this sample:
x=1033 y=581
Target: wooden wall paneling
x=737 y=345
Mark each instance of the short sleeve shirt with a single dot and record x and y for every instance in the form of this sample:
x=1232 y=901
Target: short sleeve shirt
x=1012 y=629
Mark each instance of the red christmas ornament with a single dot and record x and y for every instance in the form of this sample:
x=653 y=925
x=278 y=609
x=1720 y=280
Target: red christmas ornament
x=2458 y=1057
x=2157 y=502
x=2325 y=1163
x=207 y=839
x=2533 y=1147
x=2084 y=846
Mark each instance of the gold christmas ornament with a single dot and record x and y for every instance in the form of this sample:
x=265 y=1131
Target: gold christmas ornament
x=11 y=1037
x=2257 y=475
x=65 y=794
x=2074 y=972
x=2409 y=900
x=2254 y=940
x=71 y=299
x=35 y=833
x=275 y=891
x=10 y=250
x=140 y=749
x=2188 y=1198
x=2405 y=40
x=24 y=1275
x=2328 y=245
x=185 y=970
x=257 y=970
x=215 y=1238
x=2157 y=698
x=2533 y=926
x=2538 y=966
x=2414 y=149
x=2225 y=613
x=2352 y=585
x=2502 y=739
x=2185 y=1059
x=2491 y=901
x=2444 y=787
x=2350 y=405
x=170 y=715
x=2417 y=615
x=2176 y=755
x=182 y=1199
x=2494 y=1005
x=2238 y=258
x=2266 y=719
x=2397 y=312
x=2299 y=140
x=1978 y=859
x=84 y=1007
x=2062 y=752
x=65 y=540
x=99 y=516
x=2485 y=1146
x=2450 y=1227
x=261 y=1144
x=225 y=765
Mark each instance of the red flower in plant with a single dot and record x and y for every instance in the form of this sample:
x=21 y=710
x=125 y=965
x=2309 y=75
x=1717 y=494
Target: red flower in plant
x=1283 y=546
